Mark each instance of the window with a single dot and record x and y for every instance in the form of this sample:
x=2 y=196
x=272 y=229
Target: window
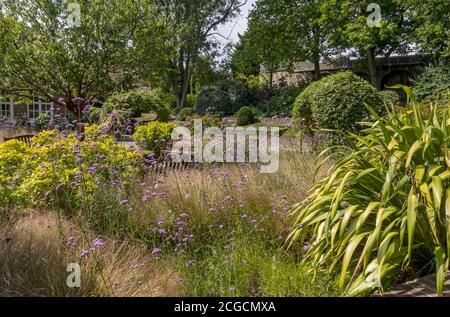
x=6 y=109
x=39 y=107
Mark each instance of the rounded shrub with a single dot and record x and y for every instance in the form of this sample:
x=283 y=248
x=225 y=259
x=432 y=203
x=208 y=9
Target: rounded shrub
x=337 y=102
x=245 y=116
x=155 y=136
x=223 y=98
x=185 y=113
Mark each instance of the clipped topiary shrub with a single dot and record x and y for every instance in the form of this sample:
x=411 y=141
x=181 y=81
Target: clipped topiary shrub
x=245 y=117
x=155 y=136
x=433 y=84
x=137 y=102
x=337 y=102
x=224 y=98
x=282 y=102
x=185 y=113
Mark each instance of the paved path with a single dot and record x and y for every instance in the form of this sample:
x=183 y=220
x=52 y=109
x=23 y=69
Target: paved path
x=423 y=287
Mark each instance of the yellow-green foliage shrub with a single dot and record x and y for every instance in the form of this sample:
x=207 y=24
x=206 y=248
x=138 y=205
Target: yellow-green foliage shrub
x=155 y=136
x=13 y=154
x=56 y=164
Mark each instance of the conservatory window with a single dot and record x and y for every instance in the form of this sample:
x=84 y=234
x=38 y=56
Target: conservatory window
x=6 y=107
x=39 y=107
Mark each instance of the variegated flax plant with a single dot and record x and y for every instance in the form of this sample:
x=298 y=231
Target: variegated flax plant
x=382 y=215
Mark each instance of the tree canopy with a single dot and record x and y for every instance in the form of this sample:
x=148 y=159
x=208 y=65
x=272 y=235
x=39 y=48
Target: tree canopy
x=44 y=54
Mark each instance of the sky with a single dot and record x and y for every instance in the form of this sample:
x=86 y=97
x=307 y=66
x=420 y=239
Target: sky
x=238 y=26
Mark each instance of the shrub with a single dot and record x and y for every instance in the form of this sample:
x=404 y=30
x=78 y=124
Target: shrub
x=224 y=98
x=185 y=113
x=245 y=117
x=56 y=164
x=208 y=121
x=137 y=102
x=433 y=84
x=212 y=100
x=337 y=102
x=383 y=208
x=282 y=102
x=390 y=97
x=155 y=136
x=13 y=154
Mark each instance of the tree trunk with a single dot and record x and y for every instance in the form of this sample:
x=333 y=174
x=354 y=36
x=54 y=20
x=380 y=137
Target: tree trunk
x=316 y=54
x=271 y=71
x=373 y=74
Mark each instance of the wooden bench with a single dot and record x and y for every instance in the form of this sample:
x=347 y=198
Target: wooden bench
x=24 y=138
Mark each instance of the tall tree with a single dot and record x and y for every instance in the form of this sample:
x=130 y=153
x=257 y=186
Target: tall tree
x=192 y=24
x=50 y=49
x=352 y=32
x=432 y=22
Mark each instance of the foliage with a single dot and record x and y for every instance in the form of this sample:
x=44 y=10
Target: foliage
x=13 y=154
x=224 y=98
x=336 y=102
x=191 y=24
x=433 y=83
x=155 y=136
x=431 y=22
x=86 y=61
x=282 y=102
x=349 y=21
x=185 y=113
x=43 y=120
x=137 y=102
x=390 y=97
x=383 y=208
x=245 y=117
x=56 y=164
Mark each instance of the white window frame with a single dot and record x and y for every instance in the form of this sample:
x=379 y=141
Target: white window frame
x=4 y=102
x=41 y=105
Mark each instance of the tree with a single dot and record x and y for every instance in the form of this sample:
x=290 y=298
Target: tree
x=264 y=39
x=192 y=23
x=352 y=31
x=43 y=53
x=432 y=21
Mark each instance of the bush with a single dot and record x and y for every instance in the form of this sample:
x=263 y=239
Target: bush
x=337 y=102
x=224 y=98
x=185 y=113
x=380 y=212
x=138 y=102
x=390 y=97
x=13 y=154
x=56 y=164
x=245 y=117
x=433 y=84
x=282 y=102
x=155 y=136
